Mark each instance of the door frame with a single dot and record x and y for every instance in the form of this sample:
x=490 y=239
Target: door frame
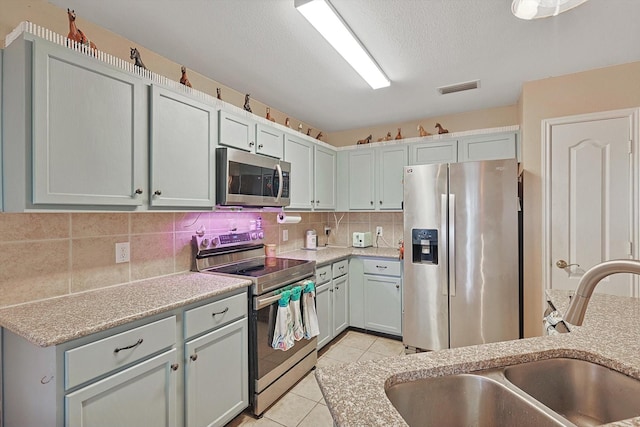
x=633 y=115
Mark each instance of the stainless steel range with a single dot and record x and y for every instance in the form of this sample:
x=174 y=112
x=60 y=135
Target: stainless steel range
x=271 y=372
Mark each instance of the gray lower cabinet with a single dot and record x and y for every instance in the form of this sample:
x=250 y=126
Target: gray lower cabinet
x=332 y=300
x=186 y=367
x=1 y=54
x=182 y=150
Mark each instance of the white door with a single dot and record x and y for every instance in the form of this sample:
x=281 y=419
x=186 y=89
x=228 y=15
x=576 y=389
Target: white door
x=589 y=197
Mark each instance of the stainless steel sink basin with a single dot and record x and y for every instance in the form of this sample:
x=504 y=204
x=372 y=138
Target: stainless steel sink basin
x=585 y=393
x=464 y=400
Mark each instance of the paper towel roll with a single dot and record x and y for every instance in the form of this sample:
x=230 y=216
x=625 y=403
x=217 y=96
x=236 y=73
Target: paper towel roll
x=288 y=219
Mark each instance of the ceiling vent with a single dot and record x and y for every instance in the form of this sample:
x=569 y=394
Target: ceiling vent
x=459 y=87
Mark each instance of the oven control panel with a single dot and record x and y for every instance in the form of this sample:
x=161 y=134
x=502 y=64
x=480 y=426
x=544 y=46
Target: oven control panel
x=221 y=241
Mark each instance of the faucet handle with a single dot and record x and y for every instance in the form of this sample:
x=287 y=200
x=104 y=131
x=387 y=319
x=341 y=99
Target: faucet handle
x=562 y=264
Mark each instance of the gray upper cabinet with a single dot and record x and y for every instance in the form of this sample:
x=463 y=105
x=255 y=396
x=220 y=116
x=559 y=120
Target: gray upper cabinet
x=299 y=152
x=237 y=132
x=488 y=147
x=391 y=163
x=78 y=130
x=433 y=152
x=182 y=155
x=362 y=179
x=269 y=141
x=325 y=167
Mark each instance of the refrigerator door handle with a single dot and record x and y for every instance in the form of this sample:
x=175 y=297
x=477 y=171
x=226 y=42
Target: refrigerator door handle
x=444 y=206
x=452 y=245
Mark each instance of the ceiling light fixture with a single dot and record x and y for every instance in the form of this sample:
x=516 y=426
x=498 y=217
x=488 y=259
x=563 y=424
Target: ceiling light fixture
x=325 y=19
x=534 y=9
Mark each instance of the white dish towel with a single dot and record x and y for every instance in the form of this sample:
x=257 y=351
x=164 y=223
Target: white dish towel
x=294 y=306
x=309 y=315
x=283 y=329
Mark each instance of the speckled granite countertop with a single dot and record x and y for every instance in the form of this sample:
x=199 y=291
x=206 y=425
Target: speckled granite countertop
x=328 y=254
x=610 y=336
x=58 y=320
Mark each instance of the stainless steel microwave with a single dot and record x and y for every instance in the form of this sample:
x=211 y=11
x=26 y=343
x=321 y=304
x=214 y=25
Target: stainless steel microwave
x=247 y=179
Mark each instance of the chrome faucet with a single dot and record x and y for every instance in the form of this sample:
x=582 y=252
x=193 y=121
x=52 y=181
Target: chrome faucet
x=588 y=282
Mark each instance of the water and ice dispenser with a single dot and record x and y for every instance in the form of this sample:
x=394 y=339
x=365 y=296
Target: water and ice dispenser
x=424 y=245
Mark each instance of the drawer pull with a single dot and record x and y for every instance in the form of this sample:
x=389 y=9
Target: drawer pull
x=397 y=286
x=46 y=379
x=119 y=349
x=381 y=266
x=323 y=274
x=175 y=367
x=220 y=312
x=193 y=357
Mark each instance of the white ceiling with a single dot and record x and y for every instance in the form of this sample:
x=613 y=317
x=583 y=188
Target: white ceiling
x=266 y=48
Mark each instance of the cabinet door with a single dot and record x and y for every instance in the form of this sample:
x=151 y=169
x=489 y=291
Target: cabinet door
x=356 y=293
x=487 y=147
x=89 y=130
x=143 y=395
x=361 y=179
x=340 y=304
x=324 y=308
x=383 y=304
x=237 y=132
x=1 y=175
x=216 y=376
x=270 y=141
x=299 y=153
x=325 y=178
x=433 y=152
x=392 y=161
x=182 y=150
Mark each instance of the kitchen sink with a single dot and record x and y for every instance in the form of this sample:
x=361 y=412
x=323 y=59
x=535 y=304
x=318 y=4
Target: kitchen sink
x=585 y=393
x=464 y=400
x=552 y=392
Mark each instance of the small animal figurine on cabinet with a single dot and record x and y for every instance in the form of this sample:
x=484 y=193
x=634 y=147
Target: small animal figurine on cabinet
x=308 y=131
x=268 y=117
x=380 y=139
x=441 y=130
x=184 y=79
x=319 y=136
x=135 y=55
x=247 y=107
x=422 y=132
x=300 y=127
x=75 y=33
x=218 y=93
x=287 y=122
x=365 y=140
x=399 y=135
x=388 y=137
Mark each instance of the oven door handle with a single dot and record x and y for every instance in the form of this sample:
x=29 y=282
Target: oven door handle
x=265 y=301
x=280 y=183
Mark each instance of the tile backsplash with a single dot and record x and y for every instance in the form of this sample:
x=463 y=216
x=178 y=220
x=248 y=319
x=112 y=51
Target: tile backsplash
x=44 y=255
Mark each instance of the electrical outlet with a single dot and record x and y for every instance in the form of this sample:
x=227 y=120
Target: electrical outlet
x=122 y=252
x=378 y=231
x=285 y=235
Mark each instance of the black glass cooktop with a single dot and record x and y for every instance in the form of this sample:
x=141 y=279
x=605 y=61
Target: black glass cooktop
x=259 y=266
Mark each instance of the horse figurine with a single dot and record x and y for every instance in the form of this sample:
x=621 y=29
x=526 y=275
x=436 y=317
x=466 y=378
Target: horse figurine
x=319 y=136
x=308 y=131
x=135 y=55
x=399 y=135
x=388 y=137
x=422 y=132
x=364 y=141
x=287 y=122
x=75 y=33
x=441 y=130
x=247 y=107
x=184 y=79
x=218 y=93
x=268 y=117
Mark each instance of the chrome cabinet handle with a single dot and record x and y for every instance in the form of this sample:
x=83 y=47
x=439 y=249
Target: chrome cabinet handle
x=371 y=203
x=175 y=367
x=193 y=357
x=380 y=201
x=157 y=193
x=562 y=264
x=138 y=190
x=119 y=349
x=220 y=312
x=317 y=202
x=337 y=288
x=251 y=144
x=381 y=266
x=397 y=286
x=260 y=146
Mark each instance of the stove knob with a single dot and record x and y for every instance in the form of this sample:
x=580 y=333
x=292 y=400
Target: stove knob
x=254 y=236
x=215 y=241
x=260 y=234
x=204 y=244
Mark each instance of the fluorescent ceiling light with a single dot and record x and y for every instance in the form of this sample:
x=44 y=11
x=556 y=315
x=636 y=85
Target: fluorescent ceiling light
x=534 y=9
x=326 y=20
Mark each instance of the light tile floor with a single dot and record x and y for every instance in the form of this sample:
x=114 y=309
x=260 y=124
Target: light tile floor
x=303 y=405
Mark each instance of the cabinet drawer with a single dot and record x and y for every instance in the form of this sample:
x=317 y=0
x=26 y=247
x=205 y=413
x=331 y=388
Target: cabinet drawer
x=340 y=268
x=323 y=274
x=92 y=360
x=215 y=314
x=382 y=267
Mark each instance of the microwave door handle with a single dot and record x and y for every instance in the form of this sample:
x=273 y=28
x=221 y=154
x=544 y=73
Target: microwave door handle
x=280 y=183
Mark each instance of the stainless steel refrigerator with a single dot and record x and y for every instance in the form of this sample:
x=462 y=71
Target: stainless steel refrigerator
x=461 y=266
